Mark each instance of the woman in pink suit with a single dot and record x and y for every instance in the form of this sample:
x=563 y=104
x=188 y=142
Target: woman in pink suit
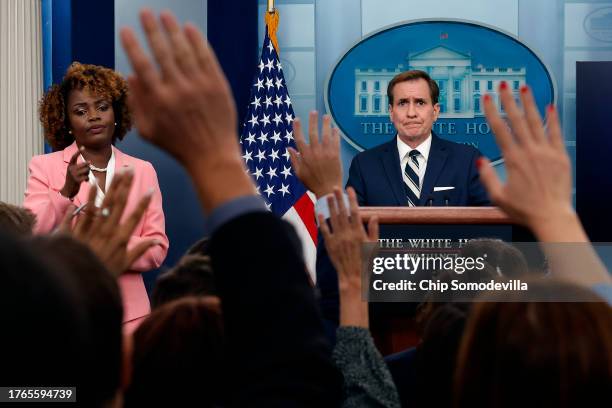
x=82 y=118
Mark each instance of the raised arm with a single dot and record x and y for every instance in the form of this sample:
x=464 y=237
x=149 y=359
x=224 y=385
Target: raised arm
x=280 y=357
x=367 y=380
x=538 y=189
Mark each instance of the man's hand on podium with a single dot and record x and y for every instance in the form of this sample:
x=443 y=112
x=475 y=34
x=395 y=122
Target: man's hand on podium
x=317 y=164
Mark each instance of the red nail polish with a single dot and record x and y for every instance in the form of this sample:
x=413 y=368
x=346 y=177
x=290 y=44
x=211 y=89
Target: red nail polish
x=479 y=162
x=503 y=85
x=524 y=89
x=551 y=108
x=487 y=97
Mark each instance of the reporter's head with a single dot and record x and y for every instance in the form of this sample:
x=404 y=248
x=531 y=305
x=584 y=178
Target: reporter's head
x=549 y=354
x=44 y=329
x=16 y=220
x=193 y=276
x=178 y=356
x=100 y=301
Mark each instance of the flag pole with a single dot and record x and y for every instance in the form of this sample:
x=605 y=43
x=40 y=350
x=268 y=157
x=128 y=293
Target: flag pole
x=272 y=24
x=282 y=191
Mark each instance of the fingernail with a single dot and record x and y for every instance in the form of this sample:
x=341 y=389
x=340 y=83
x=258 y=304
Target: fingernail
x=550 y=108
x=156 y=242
x=479 y=162
x=487 y=97
x=503 y=85
x=149 y=192
x=524 y=89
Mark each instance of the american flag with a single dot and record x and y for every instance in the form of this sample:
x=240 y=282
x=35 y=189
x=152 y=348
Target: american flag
x=266 y=134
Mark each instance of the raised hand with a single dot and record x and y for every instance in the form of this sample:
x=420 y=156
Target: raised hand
x=190 y=81
x=76 y=173
x=538 y=189
x=100 y=228
x=344 y=243
x=186 y=108
x=317 y=164
x=537 y=192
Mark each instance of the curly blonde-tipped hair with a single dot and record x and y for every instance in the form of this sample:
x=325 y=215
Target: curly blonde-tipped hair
x=98 y=80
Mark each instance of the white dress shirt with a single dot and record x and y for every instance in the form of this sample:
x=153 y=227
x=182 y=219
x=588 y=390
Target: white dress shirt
x=110 y=173
x=404 y=150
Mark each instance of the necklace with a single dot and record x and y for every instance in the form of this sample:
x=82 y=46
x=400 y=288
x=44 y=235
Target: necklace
x=99 y=169
x=94 y=168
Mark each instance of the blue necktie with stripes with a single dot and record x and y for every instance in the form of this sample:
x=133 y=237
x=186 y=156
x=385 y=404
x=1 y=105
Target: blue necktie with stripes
x=411 y=179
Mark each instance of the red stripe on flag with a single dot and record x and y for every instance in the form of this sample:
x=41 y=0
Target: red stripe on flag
x=305 y=209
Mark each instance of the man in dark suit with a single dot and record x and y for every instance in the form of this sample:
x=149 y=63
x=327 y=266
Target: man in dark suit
x=416 y=168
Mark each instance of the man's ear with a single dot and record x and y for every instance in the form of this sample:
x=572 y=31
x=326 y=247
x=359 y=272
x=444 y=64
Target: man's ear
x=436 y=108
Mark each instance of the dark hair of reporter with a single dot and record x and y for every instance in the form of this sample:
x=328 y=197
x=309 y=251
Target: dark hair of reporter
x=192 y=276
x=178 y=356
x=436 y=355
x=200 y=247
x=101 y=302
x=440 y=320
x=16 y=220
x=44 y=329
x=506 y=259
x=435 y=299
x=555 y=354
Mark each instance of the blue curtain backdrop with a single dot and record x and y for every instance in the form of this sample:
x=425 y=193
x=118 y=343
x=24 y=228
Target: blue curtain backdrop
x=82 y=30
x=232 y=32
x=92 y=31
x=593 y=182
x=76 y=30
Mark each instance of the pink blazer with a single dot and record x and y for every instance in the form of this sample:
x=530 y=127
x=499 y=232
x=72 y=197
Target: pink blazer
x=42 y=197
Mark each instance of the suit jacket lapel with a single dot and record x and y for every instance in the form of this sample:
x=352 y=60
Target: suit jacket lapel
x=435 y=164
x=119 y=160
x=392 y=166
